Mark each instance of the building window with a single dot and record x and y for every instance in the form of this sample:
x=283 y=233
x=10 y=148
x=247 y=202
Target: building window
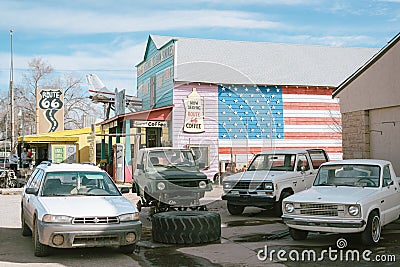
x=202 y=154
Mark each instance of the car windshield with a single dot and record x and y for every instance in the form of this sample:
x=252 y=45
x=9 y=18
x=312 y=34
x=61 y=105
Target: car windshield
x=172 y=158
x=356 y=175
x=273 y=162
x=78 y=183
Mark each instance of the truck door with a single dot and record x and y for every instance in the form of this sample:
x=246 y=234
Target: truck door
x=390 y=196
x=303 y=166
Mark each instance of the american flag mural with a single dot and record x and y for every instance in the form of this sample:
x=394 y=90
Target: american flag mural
x=254 y=118
x=250 y=112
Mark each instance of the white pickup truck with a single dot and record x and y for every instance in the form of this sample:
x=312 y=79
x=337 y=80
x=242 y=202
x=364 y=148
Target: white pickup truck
x=271 y=177
x=349 y=196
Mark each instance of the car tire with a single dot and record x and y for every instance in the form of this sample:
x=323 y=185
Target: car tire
x=278 y=205
x=186 y=227
x=128 y=249
x=40 y=250
x=235 y=209
x=372 y=232
x=298 y=234
x=26 y=231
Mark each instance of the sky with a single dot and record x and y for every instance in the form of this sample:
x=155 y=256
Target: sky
x=108 y=38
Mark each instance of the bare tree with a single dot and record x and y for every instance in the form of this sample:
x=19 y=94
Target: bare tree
x=41 y=75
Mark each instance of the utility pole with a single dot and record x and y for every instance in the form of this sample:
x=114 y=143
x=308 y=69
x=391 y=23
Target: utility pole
x=12 y=94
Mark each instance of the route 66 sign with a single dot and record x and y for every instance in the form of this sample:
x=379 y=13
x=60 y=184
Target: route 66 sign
x=50 y=103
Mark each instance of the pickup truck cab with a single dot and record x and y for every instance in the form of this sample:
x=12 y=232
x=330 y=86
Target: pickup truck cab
x=167 y=177
x=271 y=177
x=349 y=196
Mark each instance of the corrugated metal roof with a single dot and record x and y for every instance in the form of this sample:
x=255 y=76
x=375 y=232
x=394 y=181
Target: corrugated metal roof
x=239 y=62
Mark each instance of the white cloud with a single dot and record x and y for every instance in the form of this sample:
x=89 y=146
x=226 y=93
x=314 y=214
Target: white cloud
x=81 y=22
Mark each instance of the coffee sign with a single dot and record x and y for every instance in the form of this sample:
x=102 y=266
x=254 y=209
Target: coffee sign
x=194 y=113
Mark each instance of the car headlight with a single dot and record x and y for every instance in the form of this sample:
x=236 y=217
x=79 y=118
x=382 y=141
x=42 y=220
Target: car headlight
x=202 y=184
x=227 y=186
x=354 y=210
x=268 y=186
x=49 y=218
x=161 y=186
x=129 y=217
x=289 y=207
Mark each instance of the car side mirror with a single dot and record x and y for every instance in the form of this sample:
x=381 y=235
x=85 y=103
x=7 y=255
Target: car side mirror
x=389 y=183
x=140 y=166
x=124 y=190
x=31 y=191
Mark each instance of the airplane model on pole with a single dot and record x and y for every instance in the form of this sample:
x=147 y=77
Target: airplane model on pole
x=116 y=101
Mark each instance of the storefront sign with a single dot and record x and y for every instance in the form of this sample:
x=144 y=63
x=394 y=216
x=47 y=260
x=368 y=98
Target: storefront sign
x=165 y=53
x=194 y=113
x=150 y=124
x=50 y=103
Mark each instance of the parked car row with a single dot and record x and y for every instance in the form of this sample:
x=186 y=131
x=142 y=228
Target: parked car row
x=79 y=205
x=314 y=195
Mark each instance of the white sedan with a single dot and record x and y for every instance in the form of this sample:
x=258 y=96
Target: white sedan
x=77 y=205
x=349 y=196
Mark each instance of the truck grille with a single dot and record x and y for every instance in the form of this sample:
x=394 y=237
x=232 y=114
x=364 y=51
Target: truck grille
x=190 y=183
x=247 y=186
x=95 y=220
x=319 y=209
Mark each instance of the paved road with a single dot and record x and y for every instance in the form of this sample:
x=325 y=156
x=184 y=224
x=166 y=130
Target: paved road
x=243 y=237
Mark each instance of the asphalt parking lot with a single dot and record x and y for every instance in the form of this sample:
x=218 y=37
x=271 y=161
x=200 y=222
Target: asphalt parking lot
x=244 y=241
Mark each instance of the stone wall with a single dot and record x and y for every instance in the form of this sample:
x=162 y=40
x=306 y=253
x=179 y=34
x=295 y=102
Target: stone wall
x=355 y=135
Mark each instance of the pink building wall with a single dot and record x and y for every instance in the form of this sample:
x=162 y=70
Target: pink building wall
x=209 y=137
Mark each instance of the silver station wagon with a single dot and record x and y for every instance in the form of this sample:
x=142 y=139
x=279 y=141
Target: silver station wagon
x=74 y=206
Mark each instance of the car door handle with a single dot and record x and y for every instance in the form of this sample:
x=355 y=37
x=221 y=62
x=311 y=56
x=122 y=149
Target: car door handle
x=382 y=200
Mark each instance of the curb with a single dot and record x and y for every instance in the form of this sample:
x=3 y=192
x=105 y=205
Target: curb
x=10 y=191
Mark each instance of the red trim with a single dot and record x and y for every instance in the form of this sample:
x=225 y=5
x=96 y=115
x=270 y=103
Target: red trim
x=157 y=114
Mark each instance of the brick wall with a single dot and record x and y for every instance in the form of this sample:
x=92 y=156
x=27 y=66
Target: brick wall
x=355 y=134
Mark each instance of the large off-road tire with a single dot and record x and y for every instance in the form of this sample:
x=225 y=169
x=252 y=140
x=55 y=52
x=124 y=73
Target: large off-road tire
x=26 y=231
x=235 y=209
x=40 y=250
x=278 y=205
x=298 y=234
x=186 y=227
x=372 y=232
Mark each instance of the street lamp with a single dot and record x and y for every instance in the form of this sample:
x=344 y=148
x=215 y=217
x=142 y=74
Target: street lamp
x=12 y=92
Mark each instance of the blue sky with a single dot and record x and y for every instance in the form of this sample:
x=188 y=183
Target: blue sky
x=108 y=37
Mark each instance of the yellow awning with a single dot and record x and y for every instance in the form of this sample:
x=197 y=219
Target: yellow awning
x=61 y=136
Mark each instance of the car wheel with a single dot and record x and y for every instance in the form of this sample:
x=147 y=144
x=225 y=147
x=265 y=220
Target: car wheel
x=40 y=250
x=26 y=231
x=128 y=249
x=298 y=234
x=372 y=232
x=235 y=209
x=278 y=205
x=186 y=227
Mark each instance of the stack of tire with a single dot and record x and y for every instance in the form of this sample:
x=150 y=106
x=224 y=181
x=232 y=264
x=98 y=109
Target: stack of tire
x=186 y=227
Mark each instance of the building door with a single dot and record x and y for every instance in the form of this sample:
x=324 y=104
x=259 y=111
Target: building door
x=153 y=137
